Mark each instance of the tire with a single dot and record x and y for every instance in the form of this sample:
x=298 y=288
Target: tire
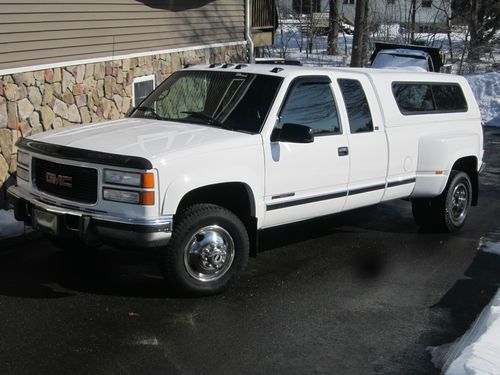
x=448 y=211
x=456 y=201
x=208 y=251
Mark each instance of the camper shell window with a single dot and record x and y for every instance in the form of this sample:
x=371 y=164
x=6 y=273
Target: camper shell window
x=414 y=98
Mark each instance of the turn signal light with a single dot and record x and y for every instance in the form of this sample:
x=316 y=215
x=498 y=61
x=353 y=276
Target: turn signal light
x=148 y=180
x=147 y=198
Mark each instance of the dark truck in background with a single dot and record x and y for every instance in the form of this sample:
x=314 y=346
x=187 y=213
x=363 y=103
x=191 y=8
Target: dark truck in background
x=407 y=56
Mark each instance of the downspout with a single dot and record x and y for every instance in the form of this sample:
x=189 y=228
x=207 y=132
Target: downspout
x=248 y=32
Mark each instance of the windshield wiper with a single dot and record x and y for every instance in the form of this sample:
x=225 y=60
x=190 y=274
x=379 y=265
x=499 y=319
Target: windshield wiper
x=150 y=110
x=209 y=119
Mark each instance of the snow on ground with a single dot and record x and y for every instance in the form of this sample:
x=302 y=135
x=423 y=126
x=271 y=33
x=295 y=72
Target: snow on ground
x=291 y=42
x=486 y=88
x=490 y=243
x=478 y=350
x=9 y=227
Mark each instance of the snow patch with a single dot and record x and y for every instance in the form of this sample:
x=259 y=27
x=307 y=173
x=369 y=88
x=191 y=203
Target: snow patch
x=494 y=122
x=490 y=243
x=486 y=88
x=482 y=355
x=478 y=350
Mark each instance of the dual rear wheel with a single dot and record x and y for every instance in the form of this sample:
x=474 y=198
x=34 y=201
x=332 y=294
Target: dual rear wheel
x=448 y=211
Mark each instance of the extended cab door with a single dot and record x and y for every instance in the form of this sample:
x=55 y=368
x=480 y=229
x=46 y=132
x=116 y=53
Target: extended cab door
x=367 y=141
x=305 y=180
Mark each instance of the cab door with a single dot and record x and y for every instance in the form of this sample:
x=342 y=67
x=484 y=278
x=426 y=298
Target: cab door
x=368 y=148
x=305 y=180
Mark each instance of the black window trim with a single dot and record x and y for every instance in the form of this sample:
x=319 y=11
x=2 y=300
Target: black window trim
x=435 y=111
x=311 y=79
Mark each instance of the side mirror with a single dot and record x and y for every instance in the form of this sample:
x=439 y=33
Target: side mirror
x=293 y=133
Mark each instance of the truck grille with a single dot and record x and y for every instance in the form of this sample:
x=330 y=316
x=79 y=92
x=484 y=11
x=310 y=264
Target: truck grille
x=70 y=182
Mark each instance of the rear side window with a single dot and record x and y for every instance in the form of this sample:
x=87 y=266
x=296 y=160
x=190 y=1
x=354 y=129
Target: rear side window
x=415 y=98
x=358 y=110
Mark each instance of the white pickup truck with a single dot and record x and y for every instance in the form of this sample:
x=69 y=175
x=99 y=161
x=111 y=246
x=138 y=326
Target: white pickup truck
x=217 y=153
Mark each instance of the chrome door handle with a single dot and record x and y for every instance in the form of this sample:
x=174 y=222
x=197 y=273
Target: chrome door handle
x=343 y=151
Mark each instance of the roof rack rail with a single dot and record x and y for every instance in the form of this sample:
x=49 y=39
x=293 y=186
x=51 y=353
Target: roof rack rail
x=276 y=61
x=239 y=66
x=276 y=70
x=226 y=66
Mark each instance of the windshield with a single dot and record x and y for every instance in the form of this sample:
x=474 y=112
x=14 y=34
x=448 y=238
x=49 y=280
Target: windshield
x=385 y=60
x=229 y=100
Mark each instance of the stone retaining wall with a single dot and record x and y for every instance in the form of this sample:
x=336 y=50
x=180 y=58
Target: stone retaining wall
x=34 y=102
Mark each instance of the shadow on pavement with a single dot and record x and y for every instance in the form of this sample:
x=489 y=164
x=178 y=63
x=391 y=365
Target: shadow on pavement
x=451 y=317
x=39 y=271
x=44 y=272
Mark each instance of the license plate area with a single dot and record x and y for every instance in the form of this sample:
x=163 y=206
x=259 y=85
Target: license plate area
x=44 y=221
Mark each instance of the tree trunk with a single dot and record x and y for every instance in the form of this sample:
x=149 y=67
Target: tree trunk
x=333 y=28
x=475 y=37
x=310 y=30
x=366 y=35
x=359 y=30
x=412 y=22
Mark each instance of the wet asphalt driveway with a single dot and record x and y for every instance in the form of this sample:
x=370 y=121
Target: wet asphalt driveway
x=360 y=293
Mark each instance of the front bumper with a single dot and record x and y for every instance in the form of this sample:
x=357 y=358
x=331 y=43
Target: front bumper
x=90 y=227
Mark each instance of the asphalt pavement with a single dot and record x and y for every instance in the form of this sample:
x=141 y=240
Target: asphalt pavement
x=364 y=292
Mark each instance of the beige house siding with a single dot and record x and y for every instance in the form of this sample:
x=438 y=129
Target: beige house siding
x=35 y=32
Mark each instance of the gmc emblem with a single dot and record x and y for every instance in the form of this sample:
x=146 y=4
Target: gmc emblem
x=58 y=180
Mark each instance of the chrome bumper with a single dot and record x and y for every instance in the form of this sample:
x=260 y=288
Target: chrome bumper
x=91 y=226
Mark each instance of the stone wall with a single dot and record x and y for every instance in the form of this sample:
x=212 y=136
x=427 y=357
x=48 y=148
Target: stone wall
x=33 y=102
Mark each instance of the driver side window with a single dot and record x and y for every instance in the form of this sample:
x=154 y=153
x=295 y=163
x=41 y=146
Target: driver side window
x=311 y=104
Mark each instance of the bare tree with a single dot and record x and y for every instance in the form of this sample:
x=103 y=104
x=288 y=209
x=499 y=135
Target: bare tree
x=333 y=27
x=413 y=13
x=359 y=32
x=287 y=33
x=483 y=20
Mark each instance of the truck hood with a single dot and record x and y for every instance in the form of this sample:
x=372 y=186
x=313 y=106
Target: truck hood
x=150 y=139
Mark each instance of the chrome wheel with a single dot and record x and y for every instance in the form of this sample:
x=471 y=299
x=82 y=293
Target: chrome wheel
x=209 y=253
x=459 y=202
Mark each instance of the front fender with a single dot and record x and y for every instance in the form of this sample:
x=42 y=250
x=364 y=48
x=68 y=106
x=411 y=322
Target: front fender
x=187 y=174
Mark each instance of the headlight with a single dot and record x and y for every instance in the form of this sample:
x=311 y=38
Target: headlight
x=122 y=178
x=23 y=158
x=144 y=180
x=145 y=198
x=23 y=174
x=122 y=196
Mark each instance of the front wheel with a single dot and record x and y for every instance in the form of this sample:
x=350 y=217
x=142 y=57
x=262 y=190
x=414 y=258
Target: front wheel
x=207 y=252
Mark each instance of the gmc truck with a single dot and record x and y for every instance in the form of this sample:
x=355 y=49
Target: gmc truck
x=217 y=153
